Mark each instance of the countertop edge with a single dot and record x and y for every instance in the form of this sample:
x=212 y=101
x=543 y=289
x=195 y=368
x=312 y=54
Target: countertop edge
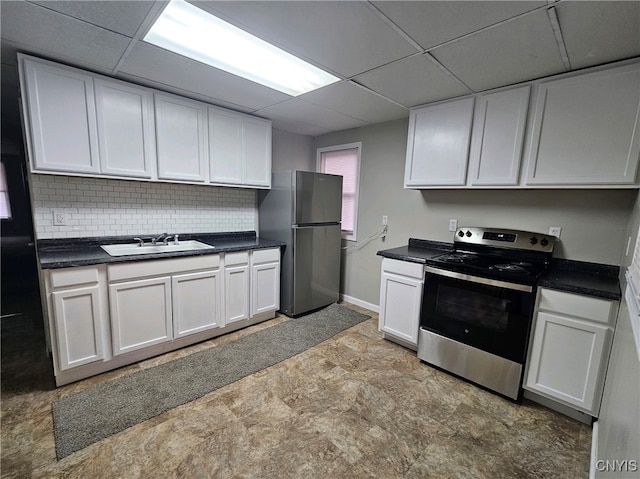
x=87 y=252
x=579 y=277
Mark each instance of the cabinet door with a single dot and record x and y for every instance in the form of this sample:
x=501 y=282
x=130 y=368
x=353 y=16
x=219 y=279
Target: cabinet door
x=78 y=324
x=225 y=147
x=438 y=144
x=498 y=135
x=125 y=129
x=586 y=129
x=239 y=149
x=257 y=152
x=140 y=313
x=265 y=287
x=181 y=138
x=196 y=300
x=60 y=109
x=566 y=359
x=236 y=287
x=400 y=300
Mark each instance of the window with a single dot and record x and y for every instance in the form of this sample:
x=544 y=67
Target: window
x=344 y=160
x=5 y=207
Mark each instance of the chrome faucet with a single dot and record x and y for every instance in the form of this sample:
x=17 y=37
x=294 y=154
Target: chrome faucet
x=164 y=237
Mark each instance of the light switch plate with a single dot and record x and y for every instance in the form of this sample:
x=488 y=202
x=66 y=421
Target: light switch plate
x=453 y=224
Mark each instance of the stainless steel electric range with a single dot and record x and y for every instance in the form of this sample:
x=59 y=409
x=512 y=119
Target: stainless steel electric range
x=478 y=303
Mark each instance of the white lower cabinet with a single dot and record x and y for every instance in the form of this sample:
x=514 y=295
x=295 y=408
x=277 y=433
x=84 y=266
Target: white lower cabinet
x=77 y=317
x=140 y=313
x=196 y=299
x=265 y=281
x=400 y=300
x=106 y=316
x=236 y=286
x=570 y=348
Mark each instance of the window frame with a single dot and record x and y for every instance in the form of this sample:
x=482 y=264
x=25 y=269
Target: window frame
x=346 y=235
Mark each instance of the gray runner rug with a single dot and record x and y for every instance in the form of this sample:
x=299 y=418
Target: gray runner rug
x=83 y=418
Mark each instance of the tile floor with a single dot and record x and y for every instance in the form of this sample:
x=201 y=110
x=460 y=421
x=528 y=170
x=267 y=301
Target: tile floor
x=355 y=406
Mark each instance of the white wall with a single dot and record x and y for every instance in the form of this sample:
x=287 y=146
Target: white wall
x=106 y=207
x=593 y=222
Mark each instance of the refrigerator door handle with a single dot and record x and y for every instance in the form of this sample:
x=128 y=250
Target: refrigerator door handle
x=313 y=225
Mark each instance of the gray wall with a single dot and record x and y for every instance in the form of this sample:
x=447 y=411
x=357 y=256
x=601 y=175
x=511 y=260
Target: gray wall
x=619 y=422
x=594 y=222
x=292 y=152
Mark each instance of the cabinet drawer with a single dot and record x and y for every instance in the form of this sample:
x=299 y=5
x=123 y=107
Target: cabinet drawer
x=266 y=255
x=73 y=276
x=241 y=257
x=405 y=268
x=587 y=307
x=139 y=269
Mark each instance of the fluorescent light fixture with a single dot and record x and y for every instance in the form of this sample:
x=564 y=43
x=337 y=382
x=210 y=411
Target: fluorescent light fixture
x=189 y=31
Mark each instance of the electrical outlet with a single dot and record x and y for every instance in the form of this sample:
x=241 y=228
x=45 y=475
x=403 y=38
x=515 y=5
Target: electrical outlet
x=59 y=218
x=453 y=225
x=555 y=231
x=385 y=220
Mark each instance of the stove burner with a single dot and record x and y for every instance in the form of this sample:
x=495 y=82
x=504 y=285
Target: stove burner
x=458 y=258
x=519 y=267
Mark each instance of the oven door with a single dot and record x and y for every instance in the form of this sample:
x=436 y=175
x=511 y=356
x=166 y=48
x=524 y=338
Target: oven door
x=490 y=315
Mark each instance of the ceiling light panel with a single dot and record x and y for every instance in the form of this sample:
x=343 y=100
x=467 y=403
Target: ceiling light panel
x=189 y=31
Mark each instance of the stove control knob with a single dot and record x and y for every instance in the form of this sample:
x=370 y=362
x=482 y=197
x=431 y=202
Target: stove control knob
x=533 y=240
x=460 y=233
x=468 y=234
x=544 y=242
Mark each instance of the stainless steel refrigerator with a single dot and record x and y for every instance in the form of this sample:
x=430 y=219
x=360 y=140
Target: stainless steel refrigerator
x=304 y=210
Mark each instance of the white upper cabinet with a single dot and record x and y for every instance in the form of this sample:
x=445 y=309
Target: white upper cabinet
x=84 y=124
x=257 y=152
x=582 y=131
x=498 y=136
x=181 y=138
x=239 y=149
x=586 y=129
x=225 y=147
x=438 y=144
x=61 y=118
x=125 y=129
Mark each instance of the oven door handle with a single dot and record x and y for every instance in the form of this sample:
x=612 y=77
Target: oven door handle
x=476 y=279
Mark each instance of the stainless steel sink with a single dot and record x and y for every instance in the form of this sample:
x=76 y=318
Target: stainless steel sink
x=130 y=249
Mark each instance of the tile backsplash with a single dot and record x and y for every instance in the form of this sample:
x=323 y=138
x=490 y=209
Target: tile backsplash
x=106 y=207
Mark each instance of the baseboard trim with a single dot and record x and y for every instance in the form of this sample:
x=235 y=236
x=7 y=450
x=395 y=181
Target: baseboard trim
x=358 y=302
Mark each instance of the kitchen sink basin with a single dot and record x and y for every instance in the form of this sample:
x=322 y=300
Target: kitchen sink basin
x=130 y=249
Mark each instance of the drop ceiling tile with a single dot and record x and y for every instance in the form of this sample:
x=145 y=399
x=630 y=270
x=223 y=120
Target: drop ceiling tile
x=43 y=31
x=412 y=81
x=345 y=37
x=161 y=66
x=599 y=32
x=434 y=22
x=353 y=100
x=515 y=51
x=298 y=127
x=299 y=110
x=119 y=16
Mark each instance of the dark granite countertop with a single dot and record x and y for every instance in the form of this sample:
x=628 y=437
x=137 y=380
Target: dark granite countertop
x=591 y=279
x=417 y=251
x=64 y=253
x=578 y=277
